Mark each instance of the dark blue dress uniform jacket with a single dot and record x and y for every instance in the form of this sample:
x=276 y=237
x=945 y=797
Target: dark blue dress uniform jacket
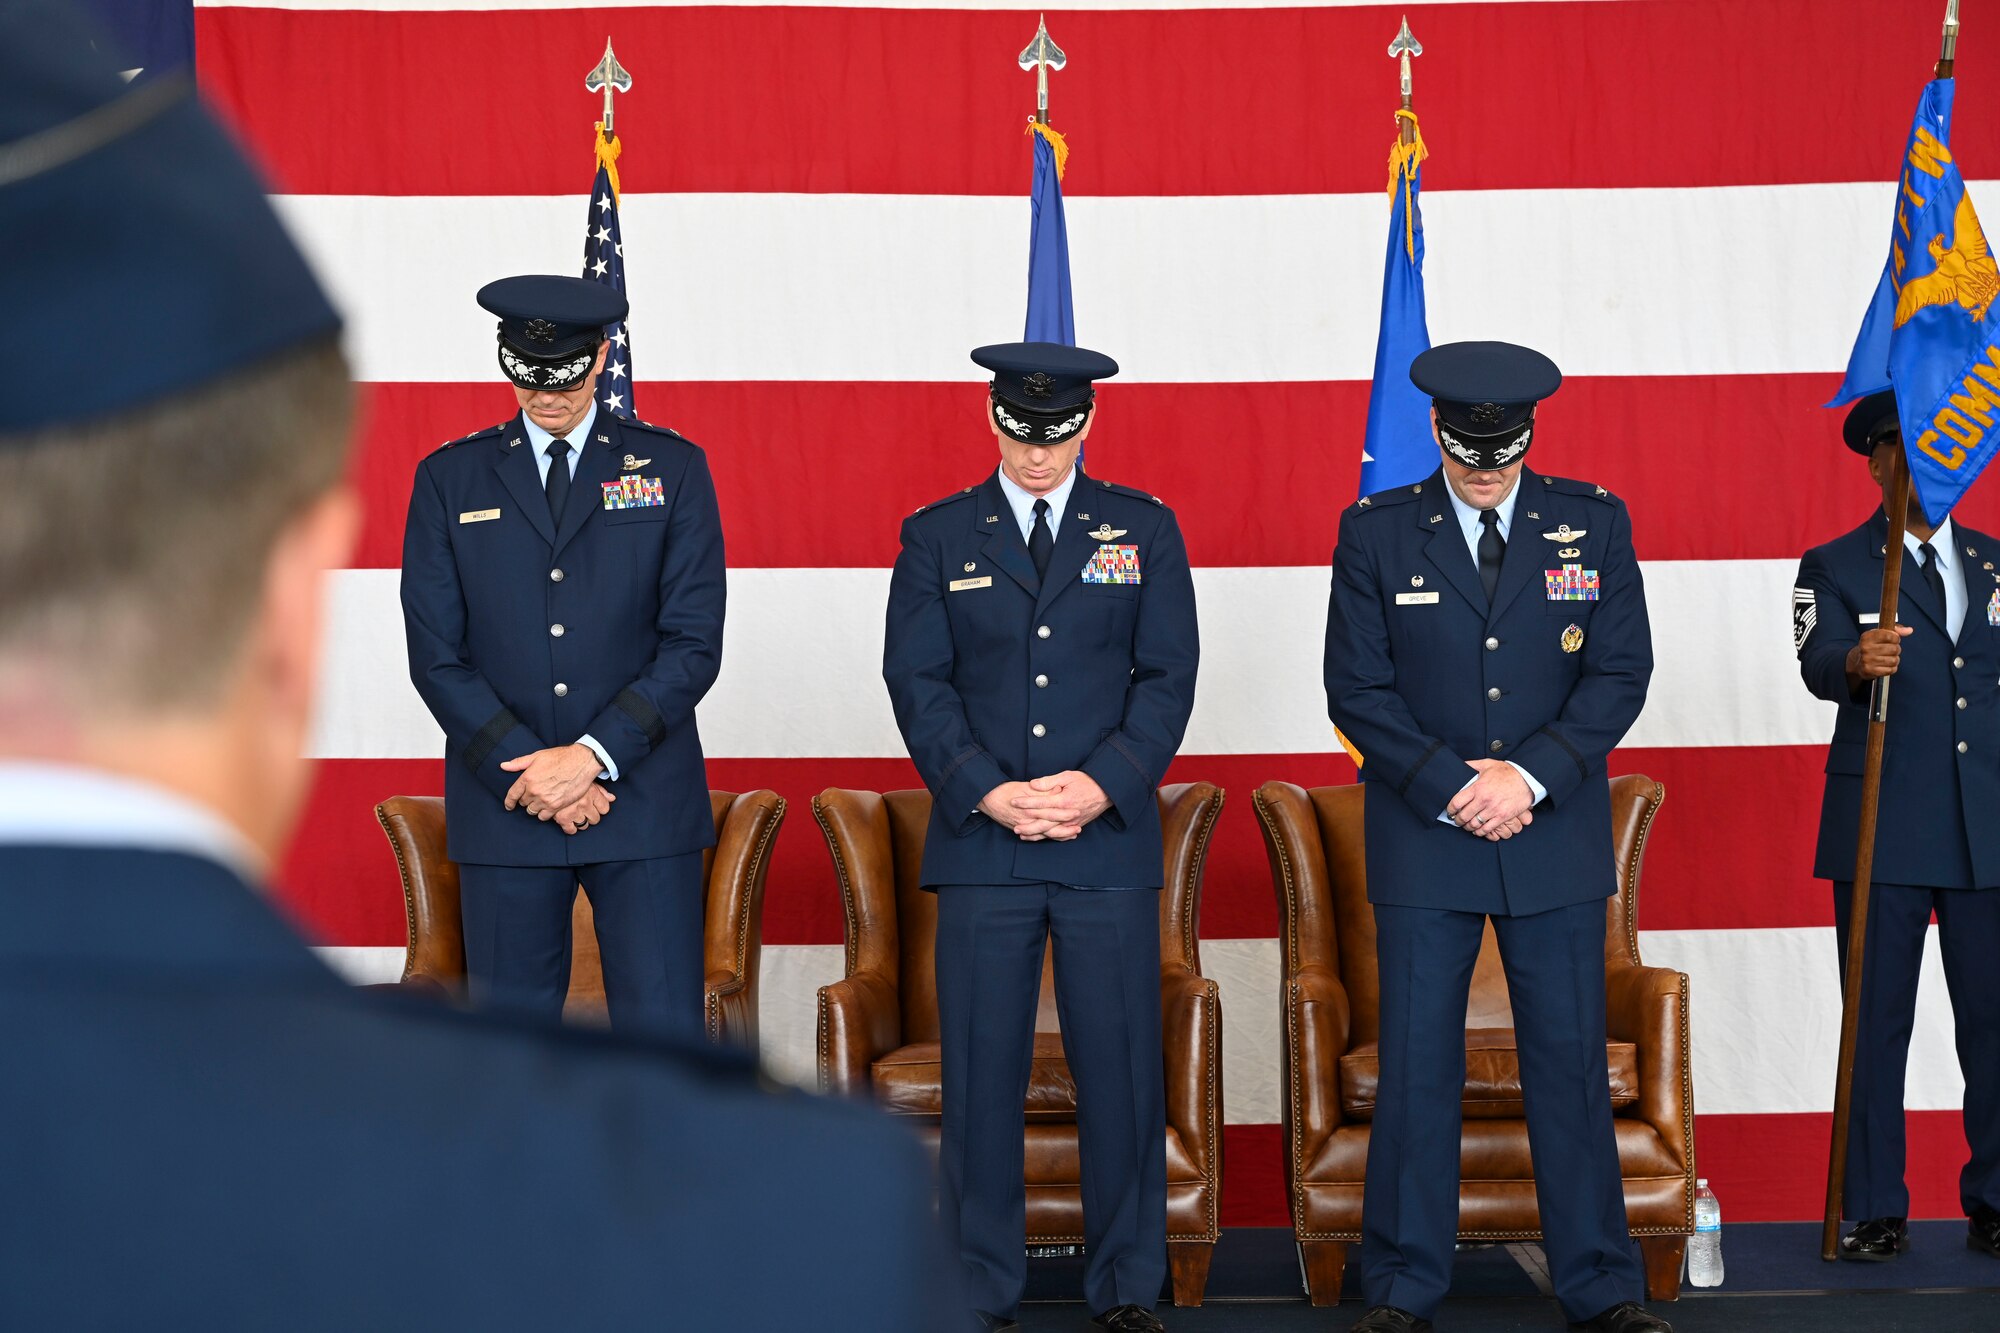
x=204 y=1129
x=639 y=595
x=1940 y=815
x=1421 y=686
x=1105 y=671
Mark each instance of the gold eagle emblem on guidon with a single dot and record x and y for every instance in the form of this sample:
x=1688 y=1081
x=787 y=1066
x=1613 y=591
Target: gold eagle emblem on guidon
x=1965 y=273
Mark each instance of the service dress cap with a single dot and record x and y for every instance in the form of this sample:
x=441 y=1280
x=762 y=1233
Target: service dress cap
x=1871 y=421
x=550 y=327
x=1485 y=394
x=1042 y=393
x=139 y=257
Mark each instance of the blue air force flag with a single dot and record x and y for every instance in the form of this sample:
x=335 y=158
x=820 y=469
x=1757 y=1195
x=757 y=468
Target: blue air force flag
x=1398 y=449
x=1051 y=316
x=1930 y=330
x=604 y=261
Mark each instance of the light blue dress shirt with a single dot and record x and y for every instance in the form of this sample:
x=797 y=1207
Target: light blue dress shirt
x=1468 y=524
x=1949 y=570
x=1023 y=504
x=578 y=440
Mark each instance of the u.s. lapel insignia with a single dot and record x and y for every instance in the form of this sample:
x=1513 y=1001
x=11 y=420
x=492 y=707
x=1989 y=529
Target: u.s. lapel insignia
x=1572 y=639
x=602 y=438
x=1565 y=533
x=1437 y=518
x=1993 y=609
x=514 y=444
x=631 y=463
x=1104 y=531
x=993 y=518
x=1532 y=514
x=1083 y=518
x=1569 y=553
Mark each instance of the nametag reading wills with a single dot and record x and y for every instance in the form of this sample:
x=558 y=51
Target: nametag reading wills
x=478 y=515
x=960 y=585
x=1416 y=599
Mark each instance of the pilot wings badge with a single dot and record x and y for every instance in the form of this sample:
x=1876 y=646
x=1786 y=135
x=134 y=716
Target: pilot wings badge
x=1105 y=532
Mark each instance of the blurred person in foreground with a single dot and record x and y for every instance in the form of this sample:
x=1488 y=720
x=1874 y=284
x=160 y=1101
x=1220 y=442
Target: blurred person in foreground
x=203 y=1128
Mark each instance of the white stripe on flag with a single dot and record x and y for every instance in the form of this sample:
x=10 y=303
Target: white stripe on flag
x=1262 y=625
x=1741 y=280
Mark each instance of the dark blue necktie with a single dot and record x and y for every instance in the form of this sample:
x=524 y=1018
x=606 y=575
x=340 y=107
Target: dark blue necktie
x=1041 y=542
x=557 y=482
x=1491 y=548
x=1934 y=577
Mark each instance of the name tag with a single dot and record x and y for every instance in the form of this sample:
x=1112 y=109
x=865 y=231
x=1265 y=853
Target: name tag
x=1416 y=599
x=1870 y=617
x=478 y=515
x=960 y=585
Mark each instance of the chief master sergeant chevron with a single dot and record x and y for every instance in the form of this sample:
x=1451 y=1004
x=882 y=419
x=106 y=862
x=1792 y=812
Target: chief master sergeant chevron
x=1486 y=646
x=563 y=597
x=1041 y=656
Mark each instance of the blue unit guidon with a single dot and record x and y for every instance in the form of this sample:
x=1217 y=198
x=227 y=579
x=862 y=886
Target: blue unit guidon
x=1113 y=564
x=630 y=492
x=1571 y=583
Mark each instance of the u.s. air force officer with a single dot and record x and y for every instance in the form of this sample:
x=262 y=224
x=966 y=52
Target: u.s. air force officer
x=563 y=597
x=1041 y=656
x=1937 y=845
x=204 y=1128
x=1486 y=647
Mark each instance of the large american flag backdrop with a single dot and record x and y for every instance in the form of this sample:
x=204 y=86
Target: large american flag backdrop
x=1685 y=203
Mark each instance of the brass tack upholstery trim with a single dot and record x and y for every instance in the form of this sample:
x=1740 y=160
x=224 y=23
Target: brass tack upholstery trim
x=846 y=886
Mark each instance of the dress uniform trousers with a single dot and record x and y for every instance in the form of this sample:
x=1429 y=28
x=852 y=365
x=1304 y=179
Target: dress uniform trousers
x=990 y=944
x=1409 y=1215
x=649 y=935
x=1969 y=940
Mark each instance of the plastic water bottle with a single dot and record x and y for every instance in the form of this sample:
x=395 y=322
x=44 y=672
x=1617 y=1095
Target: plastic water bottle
x=1705 y=1246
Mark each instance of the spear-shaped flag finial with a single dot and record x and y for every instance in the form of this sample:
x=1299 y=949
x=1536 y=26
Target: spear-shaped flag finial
x=1406 y=45
x=1041 y=56
x=609 y=76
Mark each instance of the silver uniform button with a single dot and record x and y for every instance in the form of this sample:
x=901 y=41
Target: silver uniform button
x=1493 y=693
x=1961 y=701
x=556 y=631
x=1497 y=746
x=562 y=690
x=555 y=576
x=1039 y=730
x=1041 y=631
x=1041 y=682
x=1963 y=747
x=1491 y=644
x=1958 y=664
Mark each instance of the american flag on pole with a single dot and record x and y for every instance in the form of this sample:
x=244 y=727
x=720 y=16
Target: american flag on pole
x=1690 y=241
x=604 y=261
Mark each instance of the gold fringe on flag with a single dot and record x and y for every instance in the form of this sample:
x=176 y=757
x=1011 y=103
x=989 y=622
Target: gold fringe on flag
x=1404 y=159
x=1056 y=142
x=607 y=156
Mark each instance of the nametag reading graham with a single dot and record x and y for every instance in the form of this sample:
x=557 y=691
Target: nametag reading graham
x=960 y=585
x=1416 y=599
x=479 y=516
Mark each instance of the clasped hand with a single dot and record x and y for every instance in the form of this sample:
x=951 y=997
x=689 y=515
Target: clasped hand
x=560 y=784
x=1053 y=808
x=1496 y=804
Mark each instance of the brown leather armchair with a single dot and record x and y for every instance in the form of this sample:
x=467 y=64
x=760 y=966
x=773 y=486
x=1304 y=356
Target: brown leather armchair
x=733 y=870
x=1330 y=1017
x=878 y=1027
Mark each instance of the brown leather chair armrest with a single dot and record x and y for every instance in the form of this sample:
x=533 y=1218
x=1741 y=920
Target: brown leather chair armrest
x=1648 y=1006
x=859 y=1023
x=1317 y=1024
x=1191 y=1024
x=727 y=1009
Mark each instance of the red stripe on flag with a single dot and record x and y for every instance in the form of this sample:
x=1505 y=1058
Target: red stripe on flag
x=1713 y=467
x=1191 y=102
x=1762 y=805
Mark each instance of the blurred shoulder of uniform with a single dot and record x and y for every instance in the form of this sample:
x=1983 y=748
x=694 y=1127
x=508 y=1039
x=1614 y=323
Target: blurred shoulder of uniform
x=952 y=499
x=1389 y=499
x=1146 y=498
x=1588 y=489
x=490 y=433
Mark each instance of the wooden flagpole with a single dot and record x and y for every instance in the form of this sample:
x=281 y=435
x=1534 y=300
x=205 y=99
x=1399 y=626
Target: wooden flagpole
x=1871 y=802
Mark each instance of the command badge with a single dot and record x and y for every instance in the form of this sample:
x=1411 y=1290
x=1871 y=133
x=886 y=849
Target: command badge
x=1572 y=638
